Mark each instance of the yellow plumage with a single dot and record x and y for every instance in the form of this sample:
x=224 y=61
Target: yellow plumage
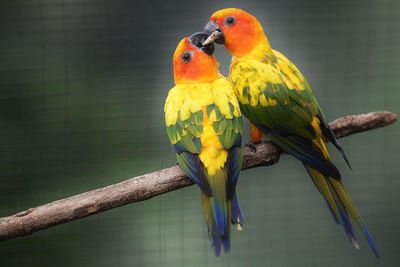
x=204 y=125
x=275 y=96
x=185 y=99
x=212 y=154
x=253 y=74
x=292 y=76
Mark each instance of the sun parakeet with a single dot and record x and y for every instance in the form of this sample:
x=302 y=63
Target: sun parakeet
x=204 y=125
x=277 y=99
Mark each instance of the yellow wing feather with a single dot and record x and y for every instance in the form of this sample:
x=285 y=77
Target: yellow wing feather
x=185 y=99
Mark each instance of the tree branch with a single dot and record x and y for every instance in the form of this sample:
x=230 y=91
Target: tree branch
x=156 y=183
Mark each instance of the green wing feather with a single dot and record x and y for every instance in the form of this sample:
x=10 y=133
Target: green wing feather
x=278 y=100
x=229 y=131
x=184 y=135
x=220 y=203
x=228 y=128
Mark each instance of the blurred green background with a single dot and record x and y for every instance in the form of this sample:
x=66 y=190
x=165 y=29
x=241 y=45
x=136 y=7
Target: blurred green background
x=82 y=89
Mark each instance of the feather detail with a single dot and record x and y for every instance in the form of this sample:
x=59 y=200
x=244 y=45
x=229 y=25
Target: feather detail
x=204 y=125
x=217 y=210
x=237 y=216
x=341 y=206
x=277 y=99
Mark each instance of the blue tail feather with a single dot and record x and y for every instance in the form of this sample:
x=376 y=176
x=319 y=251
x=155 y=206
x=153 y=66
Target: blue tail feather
x=220 y=217
x=226 y=243
x=346 y=224
x=215 y=239
x=343 y=210
x=219 y=241
x=237 y=216
x=370 y=241
x=336 y=219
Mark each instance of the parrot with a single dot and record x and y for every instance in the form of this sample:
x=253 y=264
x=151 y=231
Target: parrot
x=277 y=99
x=204 y=125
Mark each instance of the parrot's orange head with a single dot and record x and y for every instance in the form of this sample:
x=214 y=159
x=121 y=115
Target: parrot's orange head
x=239 y=30
x=194 y=62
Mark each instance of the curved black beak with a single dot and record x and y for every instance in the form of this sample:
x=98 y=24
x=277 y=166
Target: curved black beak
x=198 y=38
x=214 y=32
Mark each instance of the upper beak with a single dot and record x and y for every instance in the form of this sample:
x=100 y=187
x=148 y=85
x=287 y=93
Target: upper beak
x=214 y=32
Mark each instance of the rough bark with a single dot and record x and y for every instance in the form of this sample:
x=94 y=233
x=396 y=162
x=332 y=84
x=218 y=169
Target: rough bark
x=156 y=183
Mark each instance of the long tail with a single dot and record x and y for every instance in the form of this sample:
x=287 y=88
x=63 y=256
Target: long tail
x=217 y=210
x=341 y=206
x=237 y=216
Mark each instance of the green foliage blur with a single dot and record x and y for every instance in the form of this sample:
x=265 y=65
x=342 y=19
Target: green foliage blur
x=82 y=89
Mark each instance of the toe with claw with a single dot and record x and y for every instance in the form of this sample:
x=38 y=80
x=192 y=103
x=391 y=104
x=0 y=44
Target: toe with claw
x=252 y=146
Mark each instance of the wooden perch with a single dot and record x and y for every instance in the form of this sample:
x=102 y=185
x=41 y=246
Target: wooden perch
x=156 y=183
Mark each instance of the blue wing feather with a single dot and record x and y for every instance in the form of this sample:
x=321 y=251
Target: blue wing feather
x=191 y=165
x=234 y=165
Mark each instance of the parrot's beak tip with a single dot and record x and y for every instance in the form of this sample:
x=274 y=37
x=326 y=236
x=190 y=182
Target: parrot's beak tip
x=215 y=35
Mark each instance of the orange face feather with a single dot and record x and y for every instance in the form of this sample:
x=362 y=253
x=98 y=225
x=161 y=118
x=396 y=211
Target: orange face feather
x=242 y=31
x=191 y=64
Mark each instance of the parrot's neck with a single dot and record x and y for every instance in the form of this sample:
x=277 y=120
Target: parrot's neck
x=261 y=51
x=200 y=73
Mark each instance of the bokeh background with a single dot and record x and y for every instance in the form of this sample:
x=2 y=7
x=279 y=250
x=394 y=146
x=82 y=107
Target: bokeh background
x=82 y=89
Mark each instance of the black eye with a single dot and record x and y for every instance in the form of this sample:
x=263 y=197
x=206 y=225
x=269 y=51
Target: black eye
x=229 y=21
x=187 y=56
